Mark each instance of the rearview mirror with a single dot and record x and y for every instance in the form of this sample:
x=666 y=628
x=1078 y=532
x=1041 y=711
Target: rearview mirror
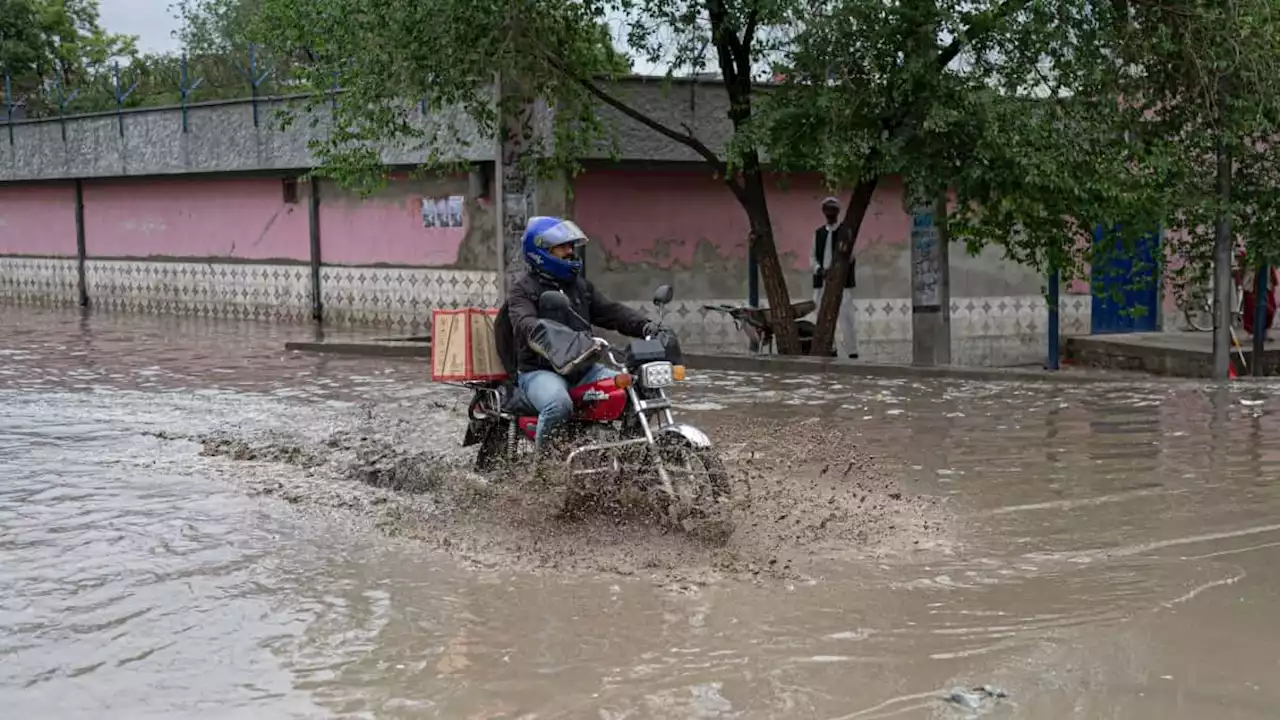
x=663 y=295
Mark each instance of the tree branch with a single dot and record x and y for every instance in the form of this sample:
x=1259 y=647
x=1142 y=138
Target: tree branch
x=726 y=42
x=748 y=39
x=684 y=138
x=981 y=23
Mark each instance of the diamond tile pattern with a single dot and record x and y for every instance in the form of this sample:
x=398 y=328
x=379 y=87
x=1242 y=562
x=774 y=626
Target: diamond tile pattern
x=999 y=330
x=216 y=290
x=401 y=298
x=46 y=282
x=1005 y=330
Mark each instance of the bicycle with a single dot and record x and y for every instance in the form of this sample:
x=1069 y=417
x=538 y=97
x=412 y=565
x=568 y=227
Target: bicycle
x=1196 y=303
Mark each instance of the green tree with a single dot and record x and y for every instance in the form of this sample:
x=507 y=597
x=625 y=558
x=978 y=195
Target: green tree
x=1206 y=77
x=216 y=38
x=22 y=46
x=50 y=44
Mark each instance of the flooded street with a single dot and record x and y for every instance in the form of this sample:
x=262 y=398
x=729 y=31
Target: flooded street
x=197 y=524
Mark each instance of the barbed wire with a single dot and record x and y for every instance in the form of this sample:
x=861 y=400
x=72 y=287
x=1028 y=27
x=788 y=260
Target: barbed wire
x=156 y=80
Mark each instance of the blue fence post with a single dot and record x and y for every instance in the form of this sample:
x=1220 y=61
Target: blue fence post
x=186 y=88
x=121 y=96
x=63 y=101
x=8 y=103
x=1260 y=287
x=1052 y=362
x=255 y=80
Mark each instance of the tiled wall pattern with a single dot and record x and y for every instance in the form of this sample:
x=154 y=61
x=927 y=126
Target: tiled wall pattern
x=400 y=299
x=1007 y=330
x=245 y=291
x=48 y=282
x=1002 y=330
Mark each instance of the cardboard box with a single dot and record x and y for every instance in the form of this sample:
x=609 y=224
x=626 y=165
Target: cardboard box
x=463 y=346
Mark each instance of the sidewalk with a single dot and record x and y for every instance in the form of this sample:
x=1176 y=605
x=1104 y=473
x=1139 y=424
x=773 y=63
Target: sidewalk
x=852 y=368
x=365 y=346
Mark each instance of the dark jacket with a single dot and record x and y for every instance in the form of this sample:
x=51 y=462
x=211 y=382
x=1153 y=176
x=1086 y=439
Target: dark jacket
x=591 y=304
x=820 y=252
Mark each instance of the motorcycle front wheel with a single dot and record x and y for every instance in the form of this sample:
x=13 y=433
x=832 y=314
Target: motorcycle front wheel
x=702 y=488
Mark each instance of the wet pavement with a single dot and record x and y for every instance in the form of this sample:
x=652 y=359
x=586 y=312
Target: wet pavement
x=177 y=543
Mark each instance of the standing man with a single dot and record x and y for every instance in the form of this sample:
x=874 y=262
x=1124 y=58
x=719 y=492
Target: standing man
x=824 y=243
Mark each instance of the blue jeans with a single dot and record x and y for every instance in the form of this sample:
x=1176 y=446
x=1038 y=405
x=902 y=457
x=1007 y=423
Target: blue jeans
x=549 y=393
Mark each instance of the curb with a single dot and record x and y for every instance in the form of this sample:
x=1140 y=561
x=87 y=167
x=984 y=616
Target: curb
x=368 y=348
x=775 y=364
x=796 y=365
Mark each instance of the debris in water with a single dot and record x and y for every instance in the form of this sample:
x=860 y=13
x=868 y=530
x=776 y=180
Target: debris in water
x=977 y=699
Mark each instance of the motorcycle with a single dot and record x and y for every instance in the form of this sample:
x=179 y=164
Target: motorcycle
x=622 y=437
x=755 y=324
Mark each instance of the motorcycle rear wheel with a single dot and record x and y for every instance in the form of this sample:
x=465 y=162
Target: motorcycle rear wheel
x=494 y=447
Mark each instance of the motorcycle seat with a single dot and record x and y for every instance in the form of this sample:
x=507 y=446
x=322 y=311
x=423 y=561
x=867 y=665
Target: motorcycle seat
x=517 y=403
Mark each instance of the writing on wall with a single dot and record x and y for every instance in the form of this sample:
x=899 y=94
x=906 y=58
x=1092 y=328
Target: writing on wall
x=926 y=257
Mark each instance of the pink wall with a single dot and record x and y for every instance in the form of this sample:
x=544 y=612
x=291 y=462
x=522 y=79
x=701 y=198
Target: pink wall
x=234 y=218
x=387 y=228
x=38 y=220
x=659 y=218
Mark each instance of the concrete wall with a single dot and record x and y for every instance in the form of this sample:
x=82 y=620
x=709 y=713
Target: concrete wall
x=222 y=137
x=683 y=226
x=387 y=227
x=245 y=219
x=237 y=247
x=38 y=221
x=231 y=219
x=696 y=106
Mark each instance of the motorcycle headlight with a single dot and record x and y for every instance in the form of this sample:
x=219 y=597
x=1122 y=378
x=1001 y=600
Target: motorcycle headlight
x=657 y=374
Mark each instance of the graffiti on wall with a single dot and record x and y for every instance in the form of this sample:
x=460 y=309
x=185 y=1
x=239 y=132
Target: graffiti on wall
x=926 y=257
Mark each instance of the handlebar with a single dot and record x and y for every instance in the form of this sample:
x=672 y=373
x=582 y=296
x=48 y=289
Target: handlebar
x=751 y=316
x=609 y=352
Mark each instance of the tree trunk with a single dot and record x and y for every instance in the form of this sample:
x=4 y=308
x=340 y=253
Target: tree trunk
x=756 y=203
x=735 y=59
x=1222 y=290
x=841 y=259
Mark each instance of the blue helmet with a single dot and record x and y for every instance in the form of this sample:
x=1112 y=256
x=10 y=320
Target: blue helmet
x=544 y=233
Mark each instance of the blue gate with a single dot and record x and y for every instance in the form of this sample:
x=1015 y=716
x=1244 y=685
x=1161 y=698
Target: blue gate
x=1126 y=286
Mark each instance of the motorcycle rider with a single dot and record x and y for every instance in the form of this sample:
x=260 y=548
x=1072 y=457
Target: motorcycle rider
x=551 y=247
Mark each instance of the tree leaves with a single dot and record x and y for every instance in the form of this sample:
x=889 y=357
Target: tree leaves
x=53 y=46
x=400 y=60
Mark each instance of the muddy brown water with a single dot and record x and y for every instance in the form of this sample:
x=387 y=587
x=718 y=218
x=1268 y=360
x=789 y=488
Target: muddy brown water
x=196 y=524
